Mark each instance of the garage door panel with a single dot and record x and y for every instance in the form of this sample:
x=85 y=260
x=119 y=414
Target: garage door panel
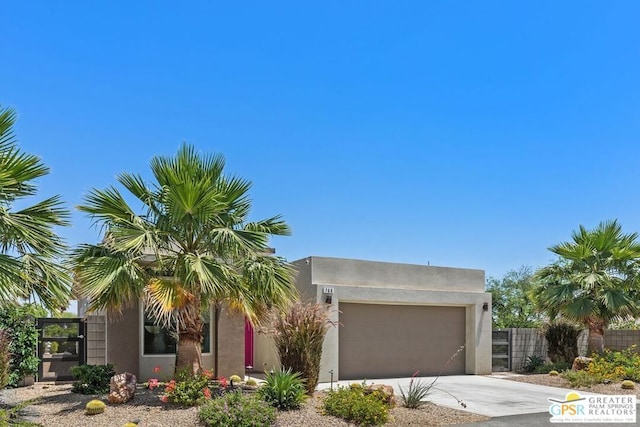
x=378 y=341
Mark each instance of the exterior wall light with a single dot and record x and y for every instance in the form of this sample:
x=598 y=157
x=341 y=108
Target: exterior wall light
x=485 y=306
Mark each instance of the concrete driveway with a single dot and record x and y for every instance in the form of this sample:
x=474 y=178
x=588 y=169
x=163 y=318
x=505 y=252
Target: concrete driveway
x=487 y=395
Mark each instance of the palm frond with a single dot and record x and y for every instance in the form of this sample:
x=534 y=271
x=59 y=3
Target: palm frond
x=110 y=280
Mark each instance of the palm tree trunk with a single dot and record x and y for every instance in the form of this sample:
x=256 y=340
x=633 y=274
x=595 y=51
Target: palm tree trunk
x=189 y=356
x=595 y=341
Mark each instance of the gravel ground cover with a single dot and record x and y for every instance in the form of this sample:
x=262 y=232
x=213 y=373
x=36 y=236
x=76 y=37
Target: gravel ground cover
x=56 y=406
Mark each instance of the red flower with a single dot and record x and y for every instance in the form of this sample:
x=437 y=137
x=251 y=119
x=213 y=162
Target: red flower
x=153 y=383
x=165 y=399
x=170 y=387
x=223 y=382
x=156 y=369
x=207 y=393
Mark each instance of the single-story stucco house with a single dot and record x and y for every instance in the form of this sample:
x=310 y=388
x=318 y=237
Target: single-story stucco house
x=393 y=319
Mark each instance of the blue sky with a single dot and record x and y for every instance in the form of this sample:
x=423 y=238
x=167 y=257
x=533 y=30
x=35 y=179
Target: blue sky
x=464 y=134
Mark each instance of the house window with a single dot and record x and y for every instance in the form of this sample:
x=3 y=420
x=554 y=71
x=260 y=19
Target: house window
x=158 y=340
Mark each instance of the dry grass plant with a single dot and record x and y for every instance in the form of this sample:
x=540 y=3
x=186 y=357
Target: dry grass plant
x=298 y=335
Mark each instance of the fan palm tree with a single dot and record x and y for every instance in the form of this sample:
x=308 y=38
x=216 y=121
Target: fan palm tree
x=189 y=247
x=595 y=280
x=29 y=247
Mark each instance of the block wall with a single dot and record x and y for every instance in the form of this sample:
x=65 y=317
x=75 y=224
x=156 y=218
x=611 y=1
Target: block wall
x=96 y=339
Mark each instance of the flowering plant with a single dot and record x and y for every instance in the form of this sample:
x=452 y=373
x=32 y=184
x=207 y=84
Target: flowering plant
x=222 y=381
x=154 y=382
x=189 y=389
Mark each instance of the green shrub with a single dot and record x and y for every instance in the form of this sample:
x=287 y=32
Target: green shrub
x=353 y=405
x=616 y=365
x=92 y=379
x=188 y=390
x=299 y=335
x=20 y=323
x=283 y=389
x=562 y=340
x=548 y=367
x=237 y=410
x=582 y=378
x=5 y=358
x=532 y=363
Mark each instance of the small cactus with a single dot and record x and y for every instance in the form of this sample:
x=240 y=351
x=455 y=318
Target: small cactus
x=251 y=382
x=130 y=424
x=95 y=407
x=235 y=379
x=553 y=373
x=628 y=384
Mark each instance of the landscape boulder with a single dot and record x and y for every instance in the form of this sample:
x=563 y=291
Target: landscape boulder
x=580 y=363
x=122 y=388
x=385 y=390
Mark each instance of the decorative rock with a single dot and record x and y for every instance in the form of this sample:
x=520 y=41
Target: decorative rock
x=386 y=390
x=122 y=388
x=580 y=363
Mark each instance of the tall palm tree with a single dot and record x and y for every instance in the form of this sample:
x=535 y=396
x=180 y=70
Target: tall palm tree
x=30 y=249
x=595 y=280
x=190 y=246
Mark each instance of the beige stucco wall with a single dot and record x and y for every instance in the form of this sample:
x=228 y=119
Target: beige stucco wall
x=351 y=272
x=123 y=344
x=231 y=344
x=265 y=355
x=124 y=336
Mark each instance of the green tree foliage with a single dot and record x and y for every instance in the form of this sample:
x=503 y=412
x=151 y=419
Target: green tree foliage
x=5 y=357
x=594 y=281
x=20 y=324
x=29 y=247
x=189 y=246
x=511 y=305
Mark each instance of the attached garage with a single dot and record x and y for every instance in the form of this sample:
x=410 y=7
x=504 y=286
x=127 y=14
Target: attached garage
x=394 y=319
x=388 y=341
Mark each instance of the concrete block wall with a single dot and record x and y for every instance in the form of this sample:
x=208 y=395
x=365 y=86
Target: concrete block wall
x=527 y=342
x=622 y=339
x=96 y=335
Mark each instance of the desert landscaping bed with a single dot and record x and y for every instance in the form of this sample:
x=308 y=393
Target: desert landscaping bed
x=56 y=406
x=557 y=381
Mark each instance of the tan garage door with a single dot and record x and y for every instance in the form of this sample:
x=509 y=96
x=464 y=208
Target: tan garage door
x=390 y=341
